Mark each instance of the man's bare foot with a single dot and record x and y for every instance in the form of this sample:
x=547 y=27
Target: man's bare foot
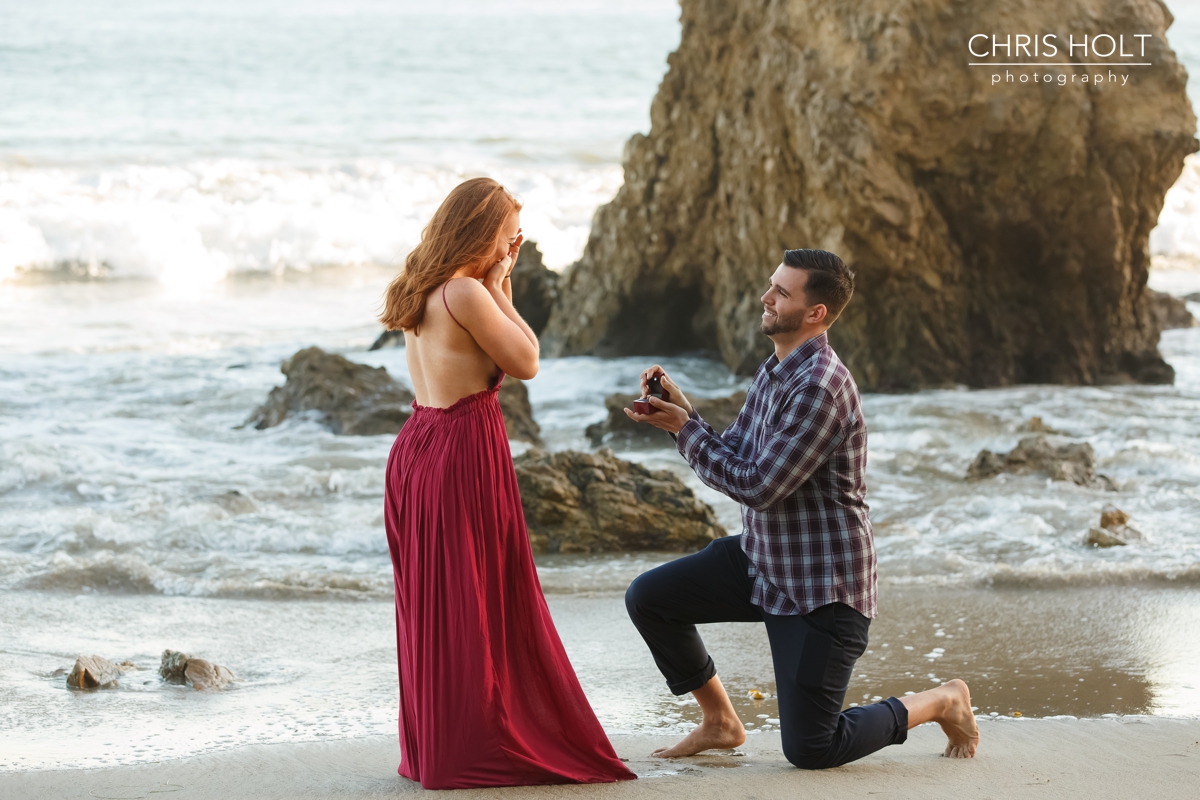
x=707 y=736
x=958 y=720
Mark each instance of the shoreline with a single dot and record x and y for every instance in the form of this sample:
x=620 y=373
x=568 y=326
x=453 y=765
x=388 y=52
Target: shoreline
x=1118 y=757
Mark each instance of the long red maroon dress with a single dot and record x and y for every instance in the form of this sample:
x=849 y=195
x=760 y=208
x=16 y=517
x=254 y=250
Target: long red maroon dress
x=487 y=695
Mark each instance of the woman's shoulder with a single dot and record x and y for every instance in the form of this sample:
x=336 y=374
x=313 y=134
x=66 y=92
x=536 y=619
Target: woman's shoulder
x=465 y=293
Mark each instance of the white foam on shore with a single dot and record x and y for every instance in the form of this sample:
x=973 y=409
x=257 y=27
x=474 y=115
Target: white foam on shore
x=201 y=222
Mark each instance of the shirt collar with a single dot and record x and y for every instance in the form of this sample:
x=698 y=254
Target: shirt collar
x=784 y=370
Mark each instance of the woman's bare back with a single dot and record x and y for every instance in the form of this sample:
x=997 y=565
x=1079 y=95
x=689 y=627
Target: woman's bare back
x=445 y=362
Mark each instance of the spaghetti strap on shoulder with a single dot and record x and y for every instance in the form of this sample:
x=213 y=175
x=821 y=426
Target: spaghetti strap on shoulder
x=447 y=306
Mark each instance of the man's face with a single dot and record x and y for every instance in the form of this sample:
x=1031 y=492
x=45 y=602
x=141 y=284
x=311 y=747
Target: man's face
x=785 y=303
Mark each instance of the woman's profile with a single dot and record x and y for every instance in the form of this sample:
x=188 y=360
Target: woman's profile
x=487 y=695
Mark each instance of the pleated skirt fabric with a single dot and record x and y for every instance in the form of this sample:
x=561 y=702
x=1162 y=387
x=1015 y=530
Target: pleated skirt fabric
x=487 y=694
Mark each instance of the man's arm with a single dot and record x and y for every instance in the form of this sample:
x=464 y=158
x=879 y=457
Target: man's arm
x=809 y=430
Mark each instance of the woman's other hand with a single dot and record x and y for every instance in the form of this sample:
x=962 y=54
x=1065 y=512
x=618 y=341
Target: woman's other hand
x=494 y=279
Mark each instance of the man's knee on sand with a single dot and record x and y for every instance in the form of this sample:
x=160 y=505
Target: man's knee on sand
x=642 y=599
x=811 y=754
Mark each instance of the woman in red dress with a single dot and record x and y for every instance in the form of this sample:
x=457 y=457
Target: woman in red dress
x=487 y=695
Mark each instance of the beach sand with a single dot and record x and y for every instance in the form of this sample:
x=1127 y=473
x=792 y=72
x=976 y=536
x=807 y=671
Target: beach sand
x=1124 y=757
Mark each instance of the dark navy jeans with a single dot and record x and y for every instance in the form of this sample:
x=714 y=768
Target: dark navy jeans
x=814 y=654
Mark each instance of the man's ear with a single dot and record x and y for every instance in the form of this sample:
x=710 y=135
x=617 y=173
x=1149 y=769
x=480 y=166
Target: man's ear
x=817 y=314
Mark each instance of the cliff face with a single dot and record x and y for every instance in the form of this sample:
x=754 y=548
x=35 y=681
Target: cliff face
x=999 y=232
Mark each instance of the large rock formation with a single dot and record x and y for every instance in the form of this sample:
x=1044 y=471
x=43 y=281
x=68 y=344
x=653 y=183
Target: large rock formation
x=355 y=399
x=999 y=232
x=595 y=502
x=534 y=287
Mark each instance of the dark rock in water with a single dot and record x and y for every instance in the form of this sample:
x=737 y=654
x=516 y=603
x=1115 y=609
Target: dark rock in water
x=1170 y=312
x=1113 y=531
x=518 y=413
x=96 y=672
x=999 y=234
x=1194 y=297
x=719 y=412
x=388 y=339
x=1053 y=456
x=534 y=287
x=593 y=503
x=198 y=673
x=354 y=399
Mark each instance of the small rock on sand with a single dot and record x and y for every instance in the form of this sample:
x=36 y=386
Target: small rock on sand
x=198 y=673
x=96 y=672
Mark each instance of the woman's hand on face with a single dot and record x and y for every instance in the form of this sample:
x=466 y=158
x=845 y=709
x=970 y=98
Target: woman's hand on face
x=494 y=279
x=515 y=248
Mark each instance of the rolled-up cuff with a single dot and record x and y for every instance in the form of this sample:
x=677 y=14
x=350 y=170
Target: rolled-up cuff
x=696 y=681
x=900 y=711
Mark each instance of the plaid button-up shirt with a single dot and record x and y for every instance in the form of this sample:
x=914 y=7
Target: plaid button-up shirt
x=795 y=459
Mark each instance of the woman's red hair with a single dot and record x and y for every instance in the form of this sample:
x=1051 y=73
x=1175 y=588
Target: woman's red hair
x=461 y=234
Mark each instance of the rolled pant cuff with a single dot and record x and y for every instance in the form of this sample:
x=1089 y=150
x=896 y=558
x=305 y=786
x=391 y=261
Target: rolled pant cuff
x=901 y=713
x=696 y=681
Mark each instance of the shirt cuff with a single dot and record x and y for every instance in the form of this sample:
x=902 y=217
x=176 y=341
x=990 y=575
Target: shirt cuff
x=688 y=438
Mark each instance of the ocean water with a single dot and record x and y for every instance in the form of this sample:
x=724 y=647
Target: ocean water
x=190 y=193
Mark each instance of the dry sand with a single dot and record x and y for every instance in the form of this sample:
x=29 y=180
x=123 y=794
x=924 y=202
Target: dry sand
x=1126 y=757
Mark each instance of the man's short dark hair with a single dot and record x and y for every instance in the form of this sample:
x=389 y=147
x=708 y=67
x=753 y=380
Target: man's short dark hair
x=829 y=282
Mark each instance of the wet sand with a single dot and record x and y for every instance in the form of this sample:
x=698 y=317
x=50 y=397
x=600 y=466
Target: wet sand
x=325 y=671
x=1104 y=758
x=1079 y=652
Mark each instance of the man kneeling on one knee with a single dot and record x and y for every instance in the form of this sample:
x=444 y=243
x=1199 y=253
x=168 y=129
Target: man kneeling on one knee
x=795 y=459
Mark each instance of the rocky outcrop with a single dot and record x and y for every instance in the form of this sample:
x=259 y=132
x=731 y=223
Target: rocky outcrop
x=388 y=339
x=518 y=413
x=198 y=673
x=1114 y=530
x=351 y=399
x=719 y=412
x=1170 y=312
x=355 y=399
x=96 y=672
x=998 y=230
x=534 y=288
x=1052 y=456
x=595 y=502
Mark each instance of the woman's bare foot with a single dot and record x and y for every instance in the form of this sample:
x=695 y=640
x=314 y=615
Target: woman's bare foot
x=958 y=721
x=707 y=736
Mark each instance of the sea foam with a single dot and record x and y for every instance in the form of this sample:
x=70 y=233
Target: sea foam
x=201 y=222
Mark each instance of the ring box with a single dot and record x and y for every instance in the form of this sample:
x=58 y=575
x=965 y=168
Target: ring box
x=642 y=404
